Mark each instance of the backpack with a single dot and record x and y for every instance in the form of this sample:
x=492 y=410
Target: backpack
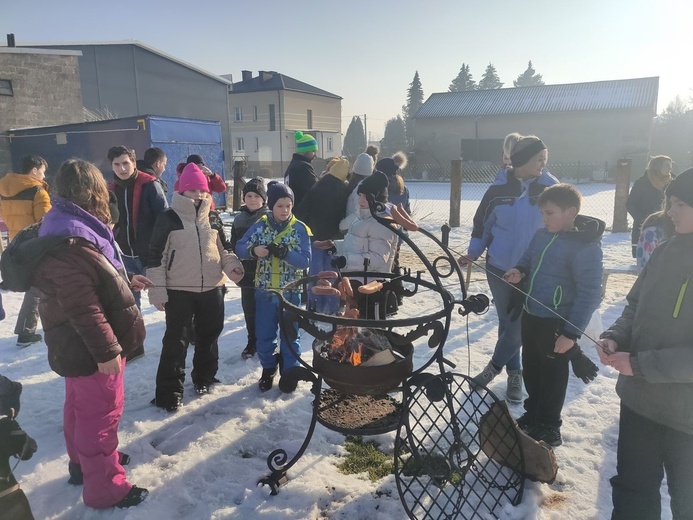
x=21 y=257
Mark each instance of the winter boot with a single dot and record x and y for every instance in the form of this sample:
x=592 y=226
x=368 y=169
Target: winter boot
x=550 y=434
x=134 y=497
x=267 y=378
x=24 y=340
x=514 y=391
x=486 y=376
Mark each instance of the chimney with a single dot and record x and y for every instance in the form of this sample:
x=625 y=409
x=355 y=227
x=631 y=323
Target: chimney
x=247 y=75
x=266 y=75
x=10 y=40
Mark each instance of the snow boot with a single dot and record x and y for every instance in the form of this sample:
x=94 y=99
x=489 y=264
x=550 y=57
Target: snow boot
x=267 y=379
x=24 y=340
x=486 y=376
x=134 y=497
x=514 y=391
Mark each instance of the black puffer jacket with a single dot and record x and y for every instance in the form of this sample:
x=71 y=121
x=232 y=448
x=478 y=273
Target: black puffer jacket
x=242 y=223
x=87 y=309
x=300 y=176
x=323 y=208
x=643 y=200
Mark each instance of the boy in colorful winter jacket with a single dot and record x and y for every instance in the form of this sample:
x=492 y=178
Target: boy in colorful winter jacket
x=281 y=244
x=254 y=207
x=563 y=271
x=651 y=346
x=188 y=266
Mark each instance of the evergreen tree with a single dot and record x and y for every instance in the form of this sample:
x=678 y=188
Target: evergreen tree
x=463 y=81
x=528 y=78
x=355 y=138
x=415 y=97
x=490 y=79
x=395 y=138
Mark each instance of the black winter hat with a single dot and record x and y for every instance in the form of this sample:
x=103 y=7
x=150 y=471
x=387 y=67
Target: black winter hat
x=387 y=166
x=275 y=191
x=375 y=186
x=257 y=186
x=681 y=187
x=195 y=158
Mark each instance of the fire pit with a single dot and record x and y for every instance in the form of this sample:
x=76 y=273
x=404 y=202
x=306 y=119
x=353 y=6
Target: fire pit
x=362 y=361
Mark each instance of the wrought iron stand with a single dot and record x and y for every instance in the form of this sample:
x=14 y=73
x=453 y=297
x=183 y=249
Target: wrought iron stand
x=455 y=455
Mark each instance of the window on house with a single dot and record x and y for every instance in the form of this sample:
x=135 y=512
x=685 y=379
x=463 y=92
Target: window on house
x=6 y=87
x=329 y=144
x=240 y=145
x=271 y=119
x=239 y=114
x=309 y=117
x=255 y=113
x=257 y=144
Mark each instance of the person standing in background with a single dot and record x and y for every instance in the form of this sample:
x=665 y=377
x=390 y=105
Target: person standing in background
x=24 y=201
x=154 y=163
x=300 y=175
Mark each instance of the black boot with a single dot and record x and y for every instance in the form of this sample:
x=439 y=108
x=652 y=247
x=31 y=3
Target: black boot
x=134 y=497
x=267 y=379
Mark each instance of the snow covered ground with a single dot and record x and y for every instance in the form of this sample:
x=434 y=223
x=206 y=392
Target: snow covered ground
x=204 y=461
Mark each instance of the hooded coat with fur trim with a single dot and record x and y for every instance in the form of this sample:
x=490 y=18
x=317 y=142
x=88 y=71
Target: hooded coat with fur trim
x=186 y=253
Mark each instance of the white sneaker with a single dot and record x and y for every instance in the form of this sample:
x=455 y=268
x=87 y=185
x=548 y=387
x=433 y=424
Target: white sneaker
x=486 y=376
x=514 y=391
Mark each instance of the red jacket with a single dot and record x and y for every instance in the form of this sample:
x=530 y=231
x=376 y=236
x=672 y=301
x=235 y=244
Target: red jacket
x=87 y=309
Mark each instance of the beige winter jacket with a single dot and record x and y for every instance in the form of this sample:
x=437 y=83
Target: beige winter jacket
x=185 y=253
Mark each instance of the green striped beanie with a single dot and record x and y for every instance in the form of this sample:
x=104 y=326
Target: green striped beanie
x=305 y=142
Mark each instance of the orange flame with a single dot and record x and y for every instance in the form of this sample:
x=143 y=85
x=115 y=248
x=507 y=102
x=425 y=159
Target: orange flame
x=355 y=357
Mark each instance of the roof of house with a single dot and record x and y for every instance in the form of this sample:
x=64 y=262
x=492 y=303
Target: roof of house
x=277 y=81
x=138 y=44
x=596 y=95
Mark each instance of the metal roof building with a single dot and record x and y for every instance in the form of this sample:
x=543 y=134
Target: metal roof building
x=595 y=122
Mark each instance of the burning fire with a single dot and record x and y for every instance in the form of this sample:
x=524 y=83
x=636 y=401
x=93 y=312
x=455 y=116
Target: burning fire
x=354 y=346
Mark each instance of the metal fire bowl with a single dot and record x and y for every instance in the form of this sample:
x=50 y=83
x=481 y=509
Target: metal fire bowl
x=359 y=380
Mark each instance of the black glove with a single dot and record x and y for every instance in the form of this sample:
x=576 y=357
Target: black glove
x=278 y=250
x=339 y=262
x=516 y=303
x=583 y=367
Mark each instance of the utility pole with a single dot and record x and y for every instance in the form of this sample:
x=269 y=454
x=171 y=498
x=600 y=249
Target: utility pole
x=365 y=129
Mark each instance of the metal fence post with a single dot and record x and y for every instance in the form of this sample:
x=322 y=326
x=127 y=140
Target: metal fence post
x=238 y=171
x=455 y=192
x=621 y=196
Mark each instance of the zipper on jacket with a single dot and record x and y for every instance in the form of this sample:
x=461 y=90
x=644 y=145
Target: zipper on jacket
x=557 y=297
x=199 y=245
x=679 y=300
x=170 y=262
x=534 y=275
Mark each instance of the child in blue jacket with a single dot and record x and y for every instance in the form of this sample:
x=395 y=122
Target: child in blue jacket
x=562 y=269
x=281 y=244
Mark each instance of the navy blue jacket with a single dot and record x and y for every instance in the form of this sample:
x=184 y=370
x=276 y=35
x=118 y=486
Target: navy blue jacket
x=507 y=218
x=564 y=272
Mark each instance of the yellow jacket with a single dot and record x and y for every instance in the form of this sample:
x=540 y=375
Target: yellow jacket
x=24 y=200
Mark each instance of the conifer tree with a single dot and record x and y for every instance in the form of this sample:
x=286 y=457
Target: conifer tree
x=354 y=139
x=415 y=97
x=528 y=78
x=463 y=81
x=490 y=79
x=395 y=138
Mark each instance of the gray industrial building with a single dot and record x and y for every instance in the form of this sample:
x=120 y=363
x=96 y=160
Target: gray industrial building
x=130 y=78
x=598 y=122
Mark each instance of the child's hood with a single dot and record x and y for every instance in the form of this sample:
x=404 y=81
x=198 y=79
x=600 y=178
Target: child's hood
x=587 y=229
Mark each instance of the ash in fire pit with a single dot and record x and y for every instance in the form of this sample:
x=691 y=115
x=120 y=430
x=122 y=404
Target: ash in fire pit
x=358 y=346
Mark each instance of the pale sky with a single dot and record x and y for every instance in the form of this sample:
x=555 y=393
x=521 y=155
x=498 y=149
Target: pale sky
x=367 y=51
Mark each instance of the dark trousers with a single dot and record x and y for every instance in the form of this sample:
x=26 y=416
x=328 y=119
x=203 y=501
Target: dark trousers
x=27 y=320
x=545 y=373
x=248 y=304
x=206 y=310
x=645 y=450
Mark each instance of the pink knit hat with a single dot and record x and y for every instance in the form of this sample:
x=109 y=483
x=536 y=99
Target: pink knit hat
x=192 y=178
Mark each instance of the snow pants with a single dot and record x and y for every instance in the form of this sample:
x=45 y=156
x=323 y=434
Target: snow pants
x=93 y=407
x=545 y=373
x=206 y=312
x=267 y=316
x=645 y=450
